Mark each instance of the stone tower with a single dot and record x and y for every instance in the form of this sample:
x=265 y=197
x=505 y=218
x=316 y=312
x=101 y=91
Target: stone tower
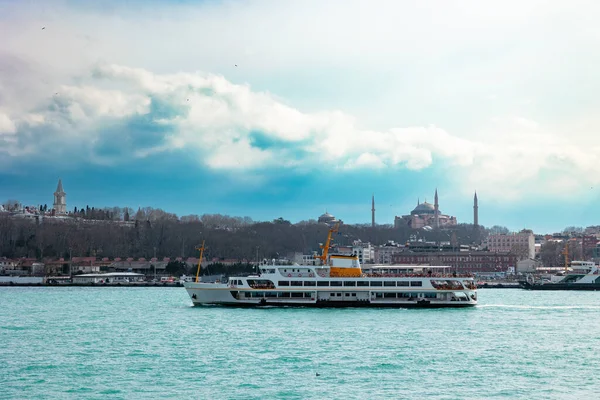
x=373 y=211
x=436 y=208
x=475 y=211
x=60 y=199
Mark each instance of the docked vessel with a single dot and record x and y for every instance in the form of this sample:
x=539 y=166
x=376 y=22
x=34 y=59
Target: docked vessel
x=339 y=281
x=581 y=275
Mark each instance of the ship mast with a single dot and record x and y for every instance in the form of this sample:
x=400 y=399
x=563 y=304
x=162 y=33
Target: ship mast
x=201 y=249
x=566 y=254
x=325 y=247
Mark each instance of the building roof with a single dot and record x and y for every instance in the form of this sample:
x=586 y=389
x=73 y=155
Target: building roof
x=108 y=275
x=423 y=208
x=59 y=188
x=327 y=218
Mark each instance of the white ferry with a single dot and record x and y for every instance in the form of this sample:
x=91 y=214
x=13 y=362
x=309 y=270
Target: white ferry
x=339 y=282
x=580 y=275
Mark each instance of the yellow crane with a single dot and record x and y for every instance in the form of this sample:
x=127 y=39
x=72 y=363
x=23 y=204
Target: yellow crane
x=325 y=247
x=201 y=250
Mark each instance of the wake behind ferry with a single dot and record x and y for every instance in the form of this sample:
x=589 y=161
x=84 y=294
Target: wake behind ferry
x=339 y=281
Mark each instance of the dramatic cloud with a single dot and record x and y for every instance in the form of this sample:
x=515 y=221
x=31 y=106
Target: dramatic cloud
x=100 y=86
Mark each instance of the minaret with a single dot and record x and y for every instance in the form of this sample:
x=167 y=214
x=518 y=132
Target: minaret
x=373 y=211
x=60 y=199
x=436 y=208
x=475 y=211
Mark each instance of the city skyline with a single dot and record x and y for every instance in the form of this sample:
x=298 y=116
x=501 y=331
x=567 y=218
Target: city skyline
x=372 y=215
x=392 y=100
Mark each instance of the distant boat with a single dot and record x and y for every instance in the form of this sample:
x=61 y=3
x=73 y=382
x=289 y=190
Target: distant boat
x=582 y=275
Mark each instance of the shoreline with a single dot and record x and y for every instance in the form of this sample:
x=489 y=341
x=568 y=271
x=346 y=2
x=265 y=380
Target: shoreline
x=148 y=284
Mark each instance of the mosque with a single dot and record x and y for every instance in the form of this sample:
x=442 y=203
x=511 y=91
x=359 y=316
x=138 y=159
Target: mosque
x=426 y=215
x=328 y=219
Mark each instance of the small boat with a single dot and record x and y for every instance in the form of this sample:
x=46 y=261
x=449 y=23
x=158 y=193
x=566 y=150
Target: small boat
x=339 y=281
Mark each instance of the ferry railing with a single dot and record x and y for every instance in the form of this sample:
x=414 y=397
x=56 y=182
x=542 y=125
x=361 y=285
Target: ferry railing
x=449 y=276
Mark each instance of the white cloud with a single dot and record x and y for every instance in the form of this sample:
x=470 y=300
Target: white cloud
x=6 y=125
x=421 y=72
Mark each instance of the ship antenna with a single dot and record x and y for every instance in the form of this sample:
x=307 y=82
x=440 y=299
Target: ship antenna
x=201 y=250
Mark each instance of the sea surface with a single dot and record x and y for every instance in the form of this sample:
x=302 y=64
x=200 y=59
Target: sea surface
x=148 y=343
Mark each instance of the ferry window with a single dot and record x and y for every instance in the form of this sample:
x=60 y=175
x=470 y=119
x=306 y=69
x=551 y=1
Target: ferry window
x=362 y=283
x=307 y=294
x=416 y=283
x=285 y=270
x=389 y=295
x=376 y=283
x=402 y=283
x=322 y=283
x=285 y=294
x=331 y=294
x=297 y=294
x=353 y=294
x=389 y=283
x=347 y=294
x=310 y=283
x=296 y=283
x=339 y=295
x=283 y=283
x=349 y=283
x=378 y=295
x=336 y=283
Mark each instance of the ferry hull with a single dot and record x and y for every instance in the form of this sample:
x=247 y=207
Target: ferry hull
x=226 y=296
x=561 y=286
x=339 y=304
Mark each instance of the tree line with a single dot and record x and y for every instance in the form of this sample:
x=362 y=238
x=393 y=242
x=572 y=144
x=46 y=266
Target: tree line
x=154 y=232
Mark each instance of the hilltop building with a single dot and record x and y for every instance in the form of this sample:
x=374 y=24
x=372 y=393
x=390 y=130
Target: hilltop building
x=426 y=214
x=60 y=200
x=328 y=219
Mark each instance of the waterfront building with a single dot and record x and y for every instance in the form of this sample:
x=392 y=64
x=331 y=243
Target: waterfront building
x=383 y=254
x=141 y=266
x=461 y=262
x=522 y=244
x=364 y=251
x=113 y=277
x=528 y=265
x=588 y=244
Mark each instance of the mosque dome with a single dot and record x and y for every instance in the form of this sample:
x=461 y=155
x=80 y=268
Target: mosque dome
x=327 y=218
x=423 y=208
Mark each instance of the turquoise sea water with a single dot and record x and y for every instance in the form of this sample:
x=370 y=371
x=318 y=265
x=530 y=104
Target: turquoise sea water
x=149 y=343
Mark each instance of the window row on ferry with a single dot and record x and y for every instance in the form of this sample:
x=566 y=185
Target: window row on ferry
x=395 y=295
x=260 y=295
x=352 y=283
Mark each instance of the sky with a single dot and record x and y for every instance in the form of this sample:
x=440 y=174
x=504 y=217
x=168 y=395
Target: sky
x=286 y=109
